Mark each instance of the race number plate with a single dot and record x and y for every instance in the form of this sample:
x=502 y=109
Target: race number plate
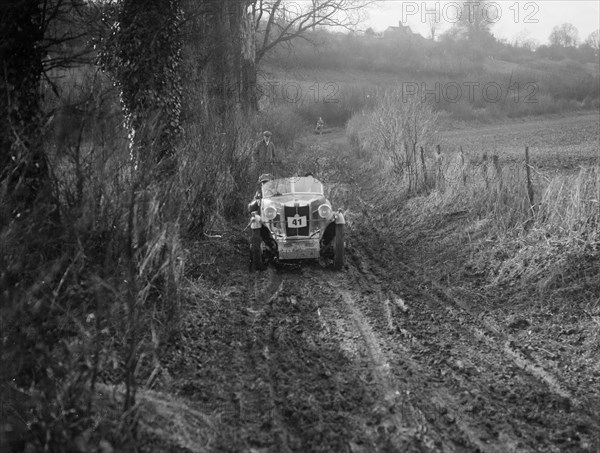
x=297 y=222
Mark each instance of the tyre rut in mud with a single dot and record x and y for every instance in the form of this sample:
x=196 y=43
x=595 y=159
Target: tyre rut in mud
x=291 y=386
x=501 y=402
x=378 y=359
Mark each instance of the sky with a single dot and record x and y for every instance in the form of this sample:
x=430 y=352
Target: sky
x=534 y=19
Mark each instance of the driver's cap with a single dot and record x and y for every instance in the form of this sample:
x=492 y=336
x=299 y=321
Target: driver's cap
x=267 y=133
x=265 y=177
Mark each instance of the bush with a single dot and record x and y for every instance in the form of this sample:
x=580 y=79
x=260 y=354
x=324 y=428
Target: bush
x=401 y=128
x=343 y=101
x=283 y=120
x=87 y=291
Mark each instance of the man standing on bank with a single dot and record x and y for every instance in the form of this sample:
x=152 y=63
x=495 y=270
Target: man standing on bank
x=264 y=154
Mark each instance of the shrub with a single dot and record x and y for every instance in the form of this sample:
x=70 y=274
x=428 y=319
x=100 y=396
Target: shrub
x=77 y=286
x=402 y=126
x=570 y=205
x=283 y=120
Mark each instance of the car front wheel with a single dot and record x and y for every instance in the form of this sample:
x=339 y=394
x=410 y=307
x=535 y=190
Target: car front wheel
x=256 y=251
x=338 y=247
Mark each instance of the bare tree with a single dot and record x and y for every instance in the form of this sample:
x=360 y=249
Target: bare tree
x=565 y=35
x=433 y=24
x=593 y=40
x=230 y=37
x=476 y=19
x=278 y=21
x=68 y=26
x=525 y=41
x=403 y=125
x=24 y=173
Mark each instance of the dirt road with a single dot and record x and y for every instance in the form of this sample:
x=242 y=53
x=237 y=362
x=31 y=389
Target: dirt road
x=374 y=358
x=377 y=358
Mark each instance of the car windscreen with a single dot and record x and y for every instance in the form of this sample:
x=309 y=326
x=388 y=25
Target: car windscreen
x=307 y=184
x=286 y=186
x=276 y=188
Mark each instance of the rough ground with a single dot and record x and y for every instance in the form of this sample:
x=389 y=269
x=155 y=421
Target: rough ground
x=556 y=142
x=379 y=357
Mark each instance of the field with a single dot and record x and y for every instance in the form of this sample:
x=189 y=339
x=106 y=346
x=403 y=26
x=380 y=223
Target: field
x=556 y=142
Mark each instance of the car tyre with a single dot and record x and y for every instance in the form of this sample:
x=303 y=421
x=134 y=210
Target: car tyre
x=338 y=247
x=256 y=251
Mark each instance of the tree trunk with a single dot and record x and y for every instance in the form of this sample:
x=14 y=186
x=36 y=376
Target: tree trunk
x=24 y=170
x=248 y=70
x=220 y=35
x=144 y=57
x=239 y=71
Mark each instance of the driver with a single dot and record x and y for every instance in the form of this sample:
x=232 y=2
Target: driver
x=265 y=177
x=262 y=179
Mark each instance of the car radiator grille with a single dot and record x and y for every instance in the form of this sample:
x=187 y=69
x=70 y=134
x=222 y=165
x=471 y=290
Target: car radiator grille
x=301 y=211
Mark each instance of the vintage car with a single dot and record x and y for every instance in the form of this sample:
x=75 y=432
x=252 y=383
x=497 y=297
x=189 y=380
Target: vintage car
x=292 y=220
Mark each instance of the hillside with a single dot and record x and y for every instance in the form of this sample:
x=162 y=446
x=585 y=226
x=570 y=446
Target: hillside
x=341 y=73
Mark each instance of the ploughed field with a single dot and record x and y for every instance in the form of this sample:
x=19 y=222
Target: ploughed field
x=381 y=357
x=556 y=143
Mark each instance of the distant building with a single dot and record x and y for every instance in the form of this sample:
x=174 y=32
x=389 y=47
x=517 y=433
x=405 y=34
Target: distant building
x=399 y=31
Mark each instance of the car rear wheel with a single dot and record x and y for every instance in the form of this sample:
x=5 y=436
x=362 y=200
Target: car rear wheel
x=338 y=247
x=256 y=251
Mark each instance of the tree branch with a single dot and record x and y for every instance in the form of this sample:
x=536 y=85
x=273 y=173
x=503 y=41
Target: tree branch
x=328 y=13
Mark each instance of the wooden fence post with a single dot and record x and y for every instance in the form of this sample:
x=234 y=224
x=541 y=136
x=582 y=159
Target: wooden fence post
x=462 y=167
x=484 y=169
x=424 y=167
x=439 y=175
x=529 y=185
x=498 y=168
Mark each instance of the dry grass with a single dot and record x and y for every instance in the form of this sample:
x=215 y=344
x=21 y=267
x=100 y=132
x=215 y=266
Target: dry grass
x=476 y=233
x=570 y=206
x=90 y=295
x=512 y=241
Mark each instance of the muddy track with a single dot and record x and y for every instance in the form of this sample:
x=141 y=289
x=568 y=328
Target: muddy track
x=380 y=358
x=500 y=399
x=377 y=358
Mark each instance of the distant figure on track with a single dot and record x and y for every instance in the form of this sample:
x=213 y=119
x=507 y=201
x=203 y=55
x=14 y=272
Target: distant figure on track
x=320 y=126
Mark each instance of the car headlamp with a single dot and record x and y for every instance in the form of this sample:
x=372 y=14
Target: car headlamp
x=270 y=213
x=325 y=211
